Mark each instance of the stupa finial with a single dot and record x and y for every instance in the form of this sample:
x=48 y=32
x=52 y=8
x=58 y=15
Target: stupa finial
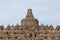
x=29 y=13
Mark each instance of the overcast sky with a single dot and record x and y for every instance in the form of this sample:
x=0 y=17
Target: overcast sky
x=46 y=11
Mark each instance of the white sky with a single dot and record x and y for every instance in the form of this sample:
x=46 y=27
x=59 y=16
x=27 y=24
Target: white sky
x=46 y=11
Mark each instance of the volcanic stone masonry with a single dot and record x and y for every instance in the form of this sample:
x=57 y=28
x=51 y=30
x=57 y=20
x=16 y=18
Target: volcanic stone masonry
x=29 y=30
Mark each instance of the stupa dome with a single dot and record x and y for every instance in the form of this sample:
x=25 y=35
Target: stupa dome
x=29 y=20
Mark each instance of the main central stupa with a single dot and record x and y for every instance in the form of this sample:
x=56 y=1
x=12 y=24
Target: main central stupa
x=29 y=21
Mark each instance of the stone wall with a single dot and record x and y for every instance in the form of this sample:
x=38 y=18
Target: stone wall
x=40 y=33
